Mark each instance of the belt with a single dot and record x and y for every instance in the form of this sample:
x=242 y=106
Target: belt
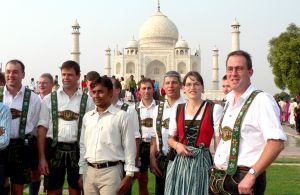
x=147 y=122
x=103 y=165
x=68 y=115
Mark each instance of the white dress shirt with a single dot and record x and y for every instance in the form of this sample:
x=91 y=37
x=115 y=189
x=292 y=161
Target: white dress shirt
x=17 y=103
x=260 y=123
x=165 y=132
x=134 y=119
x=146 y=112
x=106 y=137
x=217 y=112
x=67 y=130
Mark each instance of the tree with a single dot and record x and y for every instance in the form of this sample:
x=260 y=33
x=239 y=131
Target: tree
x=284 y=59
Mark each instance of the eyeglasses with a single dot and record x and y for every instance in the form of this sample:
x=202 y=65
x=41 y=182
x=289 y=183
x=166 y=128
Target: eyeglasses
x=189 y=85
x=238 y=69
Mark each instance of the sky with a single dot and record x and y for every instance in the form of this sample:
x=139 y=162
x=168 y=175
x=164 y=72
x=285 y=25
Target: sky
x=38 y=32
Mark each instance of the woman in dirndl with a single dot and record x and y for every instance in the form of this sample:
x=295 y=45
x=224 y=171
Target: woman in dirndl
x=192 y=127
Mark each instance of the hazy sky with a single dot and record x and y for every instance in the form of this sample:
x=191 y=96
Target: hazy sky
x=39 y=32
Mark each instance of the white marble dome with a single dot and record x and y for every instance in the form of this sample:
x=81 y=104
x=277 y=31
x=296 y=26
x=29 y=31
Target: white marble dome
x=132 y=44
x=158 y=30
x=181 y=43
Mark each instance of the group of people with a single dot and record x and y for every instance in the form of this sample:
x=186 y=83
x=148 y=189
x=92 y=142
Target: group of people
x=103 y=143
x=290 y=113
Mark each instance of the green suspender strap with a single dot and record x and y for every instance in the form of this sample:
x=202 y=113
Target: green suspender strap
x=139 y=117
x=54 y=111
x=235 y=140
x=23 y=119
x=124 y=107
x=25 y=106
x=83 y=103
x=159 y=124
x=1 y=93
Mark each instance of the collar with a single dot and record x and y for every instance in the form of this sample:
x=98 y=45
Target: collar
x=61 y=90
x=180 y=100
x=21 y=92
x=141 y=105
x=111 y=109
x=243 y=97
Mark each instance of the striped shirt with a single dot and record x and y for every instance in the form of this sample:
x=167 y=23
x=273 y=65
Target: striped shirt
x=5 y=124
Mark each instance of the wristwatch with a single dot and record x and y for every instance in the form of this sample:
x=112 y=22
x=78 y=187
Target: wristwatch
x=252 y=172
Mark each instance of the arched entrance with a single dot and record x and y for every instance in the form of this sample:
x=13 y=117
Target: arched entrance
x=155 y=70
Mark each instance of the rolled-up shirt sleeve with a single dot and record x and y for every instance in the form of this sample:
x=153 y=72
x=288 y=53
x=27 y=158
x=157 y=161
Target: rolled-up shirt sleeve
x=269 y=119
x=45 y=112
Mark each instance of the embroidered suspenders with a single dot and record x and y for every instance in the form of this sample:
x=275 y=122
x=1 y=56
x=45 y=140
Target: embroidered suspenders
x=83 y=102
x=235 y=140
x=54 y=110
x=23 y=119
x=24 y=113
x=159 y=124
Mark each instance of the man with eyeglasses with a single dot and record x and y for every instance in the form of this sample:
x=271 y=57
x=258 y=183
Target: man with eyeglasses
x=251 y=133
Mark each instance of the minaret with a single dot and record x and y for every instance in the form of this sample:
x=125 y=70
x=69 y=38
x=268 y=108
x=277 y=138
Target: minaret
x=75 y=47
x=215 y=69
x=107 y=67
x=235 y=35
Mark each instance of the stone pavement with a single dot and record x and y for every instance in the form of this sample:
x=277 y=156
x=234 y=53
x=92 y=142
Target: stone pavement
x=292 y=146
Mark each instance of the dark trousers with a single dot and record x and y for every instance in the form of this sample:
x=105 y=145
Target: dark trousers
x=160 y=185
x=258 y=188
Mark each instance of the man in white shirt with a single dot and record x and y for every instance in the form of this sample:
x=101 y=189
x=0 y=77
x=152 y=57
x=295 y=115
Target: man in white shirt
x=158 y=159
x=59 y=131
x=44 y=87
x=145 y=110
x=248 y=145
x=105 y=142
x=25 y=108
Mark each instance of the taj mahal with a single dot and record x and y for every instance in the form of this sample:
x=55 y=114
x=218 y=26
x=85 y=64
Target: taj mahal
x=157 y=50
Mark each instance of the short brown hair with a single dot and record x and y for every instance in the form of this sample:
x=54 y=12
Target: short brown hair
x=193 y=74
x=242 y=53
x=70 y=64
x=15 y=61
x=145 y=80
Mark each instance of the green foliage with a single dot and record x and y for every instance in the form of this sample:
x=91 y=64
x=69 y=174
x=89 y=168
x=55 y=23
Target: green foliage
x=282 y=96
x=284 y=59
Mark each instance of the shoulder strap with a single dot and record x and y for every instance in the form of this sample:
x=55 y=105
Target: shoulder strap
x=211 y=112
x=25 y=107
x=82 y=109
x=235 y=139
x=160 y=112
x=124 y=106
x=139 y=117
x=1 y=93
x=54 y=111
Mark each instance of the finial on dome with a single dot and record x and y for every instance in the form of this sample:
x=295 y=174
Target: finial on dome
x=158 y=7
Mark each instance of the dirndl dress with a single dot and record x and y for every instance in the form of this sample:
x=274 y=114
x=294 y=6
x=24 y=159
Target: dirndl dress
x=189 y=175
